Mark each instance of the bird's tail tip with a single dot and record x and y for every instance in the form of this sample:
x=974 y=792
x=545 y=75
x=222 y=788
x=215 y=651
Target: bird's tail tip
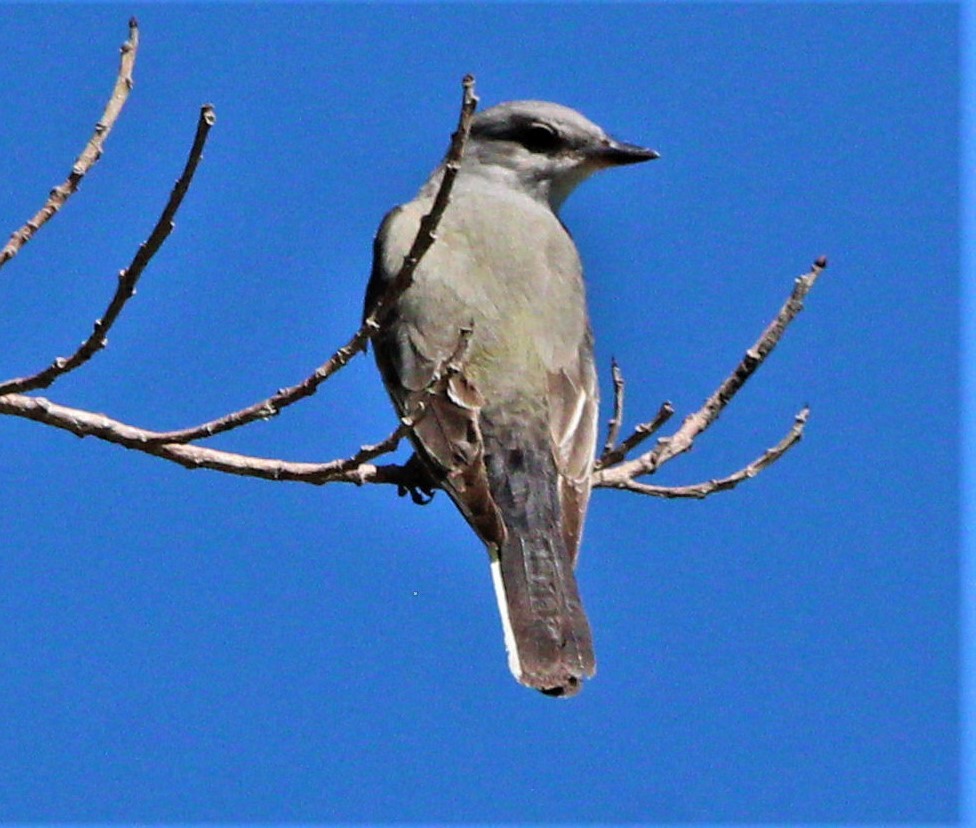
x=557 y=677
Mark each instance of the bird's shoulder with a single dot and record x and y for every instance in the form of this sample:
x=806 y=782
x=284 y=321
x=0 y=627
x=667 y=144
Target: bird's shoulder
x=391 y=243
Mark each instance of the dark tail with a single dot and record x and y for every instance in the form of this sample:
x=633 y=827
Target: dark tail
x=550 y=646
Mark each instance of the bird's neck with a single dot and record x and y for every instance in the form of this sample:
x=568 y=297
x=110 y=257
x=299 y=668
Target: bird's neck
x=488 y=179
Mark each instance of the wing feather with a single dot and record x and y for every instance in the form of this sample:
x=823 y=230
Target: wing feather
x=573 y=404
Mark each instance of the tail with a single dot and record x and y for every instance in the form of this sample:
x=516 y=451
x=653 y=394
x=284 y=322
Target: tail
x=549 y=643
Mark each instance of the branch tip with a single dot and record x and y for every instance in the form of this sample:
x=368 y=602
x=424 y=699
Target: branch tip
x=89 y=155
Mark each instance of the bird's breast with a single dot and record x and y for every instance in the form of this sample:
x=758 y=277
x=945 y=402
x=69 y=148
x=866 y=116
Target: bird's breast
x=506 y=268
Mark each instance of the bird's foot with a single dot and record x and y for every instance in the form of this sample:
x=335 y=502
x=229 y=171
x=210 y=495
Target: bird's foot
x=417 y=482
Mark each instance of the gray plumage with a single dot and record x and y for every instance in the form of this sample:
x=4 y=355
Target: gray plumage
x=511 y=436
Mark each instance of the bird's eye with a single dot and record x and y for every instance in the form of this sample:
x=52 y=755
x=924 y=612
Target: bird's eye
x=538 y=138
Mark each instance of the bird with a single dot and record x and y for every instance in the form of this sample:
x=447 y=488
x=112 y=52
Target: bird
x=492 y=343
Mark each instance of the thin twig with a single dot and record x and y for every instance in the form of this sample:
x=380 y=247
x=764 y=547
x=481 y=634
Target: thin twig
x=89 y=155
x=640 y=433
x=693 y=425
x=702 y=490
x=611 y=470
x=427 y=232
x=357 y=343
x=127 y=278
x=616 y=421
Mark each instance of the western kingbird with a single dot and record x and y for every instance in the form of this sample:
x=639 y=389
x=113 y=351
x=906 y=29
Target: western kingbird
x=509 y=433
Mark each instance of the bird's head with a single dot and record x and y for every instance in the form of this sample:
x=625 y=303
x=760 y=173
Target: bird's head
x=544 y=148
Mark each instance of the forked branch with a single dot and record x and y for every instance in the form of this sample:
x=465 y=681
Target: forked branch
x=702 y=490
x=615 y=472
x=355 y=469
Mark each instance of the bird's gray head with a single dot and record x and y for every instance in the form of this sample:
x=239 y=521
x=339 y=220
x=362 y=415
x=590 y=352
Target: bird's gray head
x=542 y=148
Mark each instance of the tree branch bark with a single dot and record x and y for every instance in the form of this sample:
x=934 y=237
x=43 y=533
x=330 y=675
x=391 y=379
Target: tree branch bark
x=355 y=469
x=699 y=491
x=89 y=155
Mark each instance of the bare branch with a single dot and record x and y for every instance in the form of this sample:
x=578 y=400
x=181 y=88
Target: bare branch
x=127 y=278
x=357 y=343
x=355 y=469
x=693 y=425
x=702 y=490
x=89 y=155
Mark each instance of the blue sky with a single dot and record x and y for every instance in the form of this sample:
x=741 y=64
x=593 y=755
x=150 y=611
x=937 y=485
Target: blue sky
x=193 y=646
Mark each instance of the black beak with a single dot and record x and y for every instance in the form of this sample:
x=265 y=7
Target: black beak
x=617 y=153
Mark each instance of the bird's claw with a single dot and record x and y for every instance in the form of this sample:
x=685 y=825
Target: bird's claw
x=419 y=493
x=417 y=482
